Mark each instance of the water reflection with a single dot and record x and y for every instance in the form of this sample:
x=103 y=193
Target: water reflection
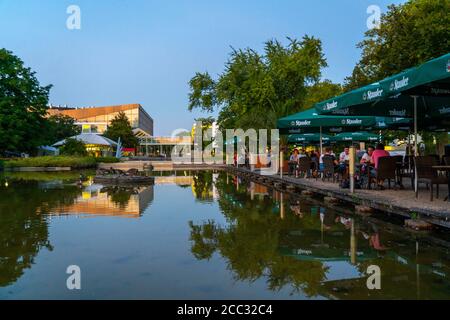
x=95 y=199
x=295 y=243
x=285 y=243
x=28 y=200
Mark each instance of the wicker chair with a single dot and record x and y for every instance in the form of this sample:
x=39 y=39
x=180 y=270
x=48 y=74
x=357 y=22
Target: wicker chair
x=304 y=166
x=426 y=174
x=386 y=170
x=329 y=170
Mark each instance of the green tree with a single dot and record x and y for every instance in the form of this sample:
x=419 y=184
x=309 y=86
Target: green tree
x=61 y=127
x=23 y=105
x=73 y=147
x=409 y=34
x=256 y=89
x=120 y=127
x=321 y=91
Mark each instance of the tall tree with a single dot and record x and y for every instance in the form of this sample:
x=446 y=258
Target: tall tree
x=61 y=127
x=256 y=89
x=120 y=127
x=23 y=105
x=321 y=91
x=409 y=34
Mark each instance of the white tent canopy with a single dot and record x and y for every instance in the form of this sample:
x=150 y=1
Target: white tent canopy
x=89 y=138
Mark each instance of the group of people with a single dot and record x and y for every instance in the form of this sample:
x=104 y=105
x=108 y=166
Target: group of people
x=297 y=154
x=367 y=158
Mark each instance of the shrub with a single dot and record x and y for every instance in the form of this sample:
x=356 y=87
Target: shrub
x=53 y=161
x=107 y=160
x=73 y=147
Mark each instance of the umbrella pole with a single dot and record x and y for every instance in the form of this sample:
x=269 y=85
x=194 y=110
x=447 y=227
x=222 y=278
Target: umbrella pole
x=416 y=151
x=321 y=143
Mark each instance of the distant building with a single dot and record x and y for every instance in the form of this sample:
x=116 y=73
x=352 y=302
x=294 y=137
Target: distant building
x=97 y=119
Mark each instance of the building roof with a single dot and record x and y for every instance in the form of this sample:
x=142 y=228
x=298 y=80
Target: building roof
x=89 y=138
x=87 y=112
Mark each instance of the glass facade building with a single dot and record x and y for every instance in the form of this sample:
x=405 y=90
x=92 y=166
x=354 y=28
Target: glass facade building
x=96 y=119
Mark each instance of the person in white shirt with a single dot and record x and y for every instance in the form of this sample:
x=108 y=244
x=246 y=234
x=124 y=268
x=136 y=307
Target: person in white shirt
x=367 y=157
x=344 y=156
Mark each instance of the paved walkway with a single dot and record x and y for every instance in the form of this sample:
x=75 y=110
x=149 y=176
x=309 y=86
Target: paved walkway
x=402 y=202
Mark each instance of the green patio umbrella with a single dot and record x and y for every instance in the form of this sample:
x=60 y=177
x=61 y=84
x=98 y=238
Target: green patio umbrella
x=422 y=92
x=394 y=96
x=309 y=138
x=357 y=136
x=310 y=121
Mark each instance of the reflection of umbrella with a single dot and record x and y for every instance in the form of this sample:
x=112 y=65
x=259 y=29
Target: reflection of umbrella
x=308 y=138
x=89 y=138
x=324 y=253
x=357 y=136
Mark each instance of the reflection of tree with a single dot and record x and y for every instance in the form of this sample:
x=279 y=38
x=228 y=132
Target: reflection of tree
x=202 y=185
x=120 y=195
x=251 y=242
x=23 y=226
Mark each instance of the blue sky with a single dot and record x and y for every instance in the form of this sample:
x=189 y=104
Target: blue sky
x=144 y=51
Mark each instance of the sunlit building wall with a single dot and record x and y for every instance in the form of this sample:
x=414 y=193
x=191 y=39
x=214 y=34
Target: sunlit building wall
x=97 y=119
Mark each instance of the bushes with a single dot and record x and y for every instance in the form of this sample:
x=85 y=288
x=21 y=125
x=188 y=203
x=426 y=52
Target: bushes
x=53 y=161
x=73 y=147
x=107 y=160
x=59 y=161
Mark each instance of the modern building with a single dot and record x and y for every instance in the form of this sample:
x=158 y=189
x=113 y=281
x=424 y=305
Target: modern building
x=97 y=119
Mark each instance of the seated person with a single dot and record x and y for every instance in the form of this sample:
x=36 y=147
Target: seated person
x=328 y=153
x=302 y=154
x=367 y=157
x=376 y=155
x=293 y=160
x=360 y=153
x=345 y=155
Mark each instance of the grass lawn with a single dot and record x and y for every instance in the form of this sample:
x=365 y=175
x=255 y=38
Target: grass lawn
x=58 y=161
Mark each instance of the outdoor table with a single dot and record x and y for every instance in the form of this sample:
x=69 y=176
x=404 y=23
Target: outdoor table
x=447 y=169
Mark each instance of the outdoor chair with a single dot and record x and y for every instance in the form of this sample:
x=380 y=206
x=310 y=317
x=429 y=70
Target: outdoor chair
x=315 y=167
x=407 y=171
x=399 y=169
x=426 y=174
x=436 y=157
x=329 y=169
x=386 y=170
x=446 y=160
x=304 y=166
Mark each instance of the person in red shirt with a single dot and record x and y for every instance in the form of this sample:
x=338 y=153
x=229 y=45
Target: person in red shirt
x=376 y=155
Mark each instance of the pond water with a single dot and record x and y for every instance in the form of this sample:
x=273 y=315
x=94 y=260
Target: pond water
x=203 y=235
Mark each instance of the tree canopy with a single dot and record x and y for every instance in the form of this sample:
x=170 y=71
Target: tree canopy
x=60 y=127
x=73 y=147
x=409 y=34
x=256 y=89
x=120 y=127
x=23 y=105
